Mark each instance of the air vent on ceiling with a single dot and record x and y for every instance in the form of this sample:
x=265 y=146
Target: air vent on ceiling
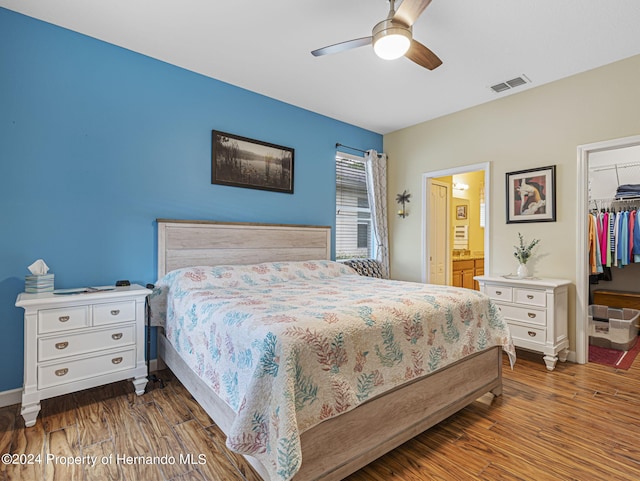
x=510 y=84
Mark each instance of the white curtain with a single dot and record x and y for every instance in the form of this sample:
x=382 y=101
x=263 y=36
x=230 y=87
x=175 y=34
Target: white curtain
x=376 y=169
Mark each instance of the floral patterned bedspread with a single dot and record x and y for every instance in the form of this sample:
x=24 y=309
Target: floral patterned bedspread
x=288 y=345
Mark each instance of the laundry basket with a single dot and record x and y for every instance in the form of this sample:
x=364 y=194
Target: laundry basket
x=613 y=328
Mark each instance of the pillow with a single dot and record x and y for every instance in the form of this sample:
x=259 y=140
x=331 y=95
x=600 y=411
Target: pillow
x=365 y=267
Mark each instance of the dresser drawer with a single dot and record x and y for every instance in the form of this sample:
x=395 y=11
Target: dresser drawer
x=522 y=314
x=63 y=319
x=532 y=297
x=527 y=334
x=114 y=312
x=502 y=293
x=84 y=342
x=69 y=371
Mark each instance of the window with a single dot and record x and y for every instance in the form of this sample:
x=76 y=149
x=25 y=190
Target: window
x=354 y=235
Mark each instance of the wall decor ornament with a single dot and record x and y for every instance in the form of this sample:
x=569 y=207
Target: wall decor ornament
x=403 y=199
x=242 y=162
x=461 y=212
x=531 y=195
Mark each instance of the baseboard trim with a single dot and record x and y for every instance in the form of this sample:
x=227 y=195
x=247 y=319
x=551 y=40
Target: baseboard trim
x=156 y=365
x=13 y=396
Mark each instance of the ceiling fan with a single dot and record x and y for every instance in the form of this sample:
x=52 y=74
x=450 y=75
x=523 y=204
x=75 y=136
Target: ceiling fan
x=392 y=38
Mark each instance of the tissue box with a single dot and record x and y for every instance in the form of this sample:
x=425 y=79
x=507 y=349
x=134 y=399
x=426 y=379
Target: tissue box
x=36 y=284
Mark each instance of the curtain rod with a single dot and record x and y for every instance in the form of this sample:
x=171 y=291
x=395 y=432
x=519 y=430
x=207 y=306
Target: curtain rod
x=352 y=148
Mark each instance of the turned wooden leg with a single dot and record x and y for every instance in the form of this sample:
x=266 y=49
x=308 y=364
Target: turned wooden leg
x=550 y=361
x=140 y=383
x=30 y=413
x=563 y=355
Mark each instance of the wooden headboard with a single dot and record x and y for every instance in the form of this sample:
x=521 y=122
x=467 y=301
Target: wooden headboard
x=188 y=243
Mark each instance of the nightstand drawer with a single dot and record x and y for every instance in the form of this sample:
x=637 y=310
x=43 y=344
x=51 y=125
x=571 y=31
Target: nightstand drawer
x=502 y=293
x=522 y=314
x=69 y=371
x=84 y=342
x=530 y=296
x=527 y=334
x=114 y=312
x=63 y=319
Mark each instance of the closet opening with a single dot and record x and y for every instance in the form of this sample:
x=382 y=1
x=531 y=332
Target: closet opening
x=607 y=266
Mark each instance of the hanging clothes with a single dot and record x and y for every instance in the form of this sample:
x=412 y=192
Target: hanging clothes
x=604 y=225
x=613 y=229
x=594 y=247
x=632 y=220
x=636 y=241
x=614 y=239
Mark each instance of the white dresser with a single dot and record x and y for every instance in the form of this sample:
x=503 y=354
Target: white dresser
x=536 y=311
x=78 y=341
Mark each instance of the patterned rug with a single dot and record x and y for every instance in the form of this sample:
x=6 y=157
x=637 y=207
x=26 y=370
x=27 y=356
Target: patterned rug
x=613 y=357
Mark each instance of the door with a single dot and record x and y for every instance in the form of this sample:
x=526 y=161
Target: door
x=438 y=232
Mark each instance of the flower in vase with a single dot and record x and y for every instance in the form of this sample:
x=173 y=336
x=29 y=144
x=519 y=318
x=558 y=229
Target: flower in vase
x=523 y=252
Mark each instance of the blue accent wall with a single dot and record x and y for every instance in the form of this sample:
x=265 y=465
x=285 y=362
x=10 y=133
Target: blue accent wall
x=96 y=142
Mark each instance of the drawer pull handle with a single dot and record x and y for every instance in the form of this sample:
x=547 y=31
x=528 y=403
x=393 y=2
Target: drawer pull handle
x=116 y=336
x=115 y=312
x=529 y=296
x=63 y=318
x=531 y=333
x=531 y=315
x=62 y=345
x=116 y=360
x=499 y=293
x=62 y=372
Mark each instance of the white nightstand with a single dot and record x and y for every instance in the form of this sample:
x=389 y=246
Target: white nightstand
x=536 y=311
x=78 y=341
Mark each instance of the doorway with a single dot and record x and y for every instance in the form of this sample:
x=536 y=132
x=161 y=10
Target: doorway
x=433 y=231
x=582 y=240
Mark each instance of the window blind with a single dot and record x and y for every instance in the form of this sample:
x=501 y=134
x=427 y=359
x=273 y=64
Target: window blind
x=353 y=215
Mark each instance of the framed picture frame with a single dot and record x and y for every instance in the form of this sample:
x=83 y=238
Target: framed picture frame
x=242 y=162
x=531 y=195
x=461 y=212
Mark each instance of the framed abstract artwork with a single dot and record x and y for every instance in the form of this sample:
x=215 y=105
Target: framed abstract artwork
x=531 y=195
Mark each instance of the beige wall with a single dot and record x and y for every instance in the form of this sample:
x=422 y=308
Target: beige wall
x=534 y=128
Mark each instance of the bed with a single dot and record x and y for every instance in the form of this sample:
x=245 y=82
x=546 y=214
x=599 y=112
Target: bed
x=297 y=358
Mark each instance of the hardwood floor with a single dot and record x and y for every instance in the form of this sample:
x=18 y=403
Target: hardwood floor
x=579 y=422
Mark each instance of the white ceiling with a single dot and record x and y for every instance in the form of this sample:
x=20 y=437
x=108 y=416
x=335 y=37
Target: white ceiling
x=265 y=47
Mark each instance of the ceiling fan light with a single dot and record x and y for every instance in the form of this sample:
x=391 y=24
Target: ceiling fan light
x=392 y=43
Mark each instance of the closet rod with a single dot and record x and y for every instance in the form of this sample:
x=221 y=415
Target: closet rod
x=616 y=166
x=352 y=148
x=613 y=199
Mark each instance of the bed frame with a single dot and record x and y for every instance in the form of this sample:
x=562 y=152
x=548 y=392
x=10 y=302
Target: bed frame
x=338 y=446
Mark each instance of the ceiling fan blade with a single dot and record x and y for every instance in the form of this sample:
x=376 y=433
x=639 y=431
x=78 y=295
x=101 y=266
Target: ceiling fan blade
x=421 y=55
x=409 y=11
x=341 y=47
